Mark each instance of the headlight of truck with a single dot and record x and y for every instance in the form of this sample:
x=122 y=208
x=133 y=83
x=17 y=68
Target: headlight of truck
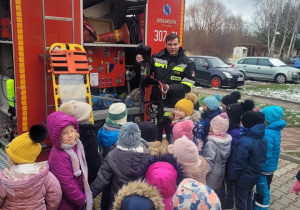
x=228 y=75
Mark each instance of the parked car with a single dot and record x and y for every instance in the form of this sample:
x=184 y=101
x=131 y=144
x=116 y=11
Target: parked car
x=264 y=68
x=294 y=59
x=215 y=72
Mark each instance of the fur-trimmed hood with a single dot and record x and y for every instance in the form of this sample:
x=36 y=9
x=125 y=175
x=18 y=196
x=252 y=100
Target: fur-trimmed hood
x=142 y=189
x=158 y=148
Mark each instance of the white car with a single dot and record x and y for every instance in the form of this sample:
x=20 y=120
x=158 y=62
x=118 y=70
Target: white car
x=264 y=68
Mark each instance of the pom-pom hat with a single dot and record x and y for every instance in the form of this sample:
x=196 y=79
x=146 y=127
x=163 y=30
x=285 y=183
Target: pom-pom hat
x=232 y=98
x=130 y=136
x=213 y=102
x=183 y=128
x=26 y=147
x=187 y=104
x=220 y=124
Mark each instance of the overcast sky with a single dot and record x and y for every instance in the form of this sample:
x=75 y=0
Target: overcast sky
x=244 y=8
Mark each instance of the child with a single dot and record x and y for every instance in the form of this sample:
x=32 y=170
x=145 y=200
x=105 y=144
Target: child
x=138 y=195
x=234 y=113
x=149 y=133
x=26 y=184
x=211 y=109
x=88 y=134
x=108 y=133
x=274 y=125
x=184 y=109
x=107 y=140
x=232 y=98
x=248 y=158
x=122 y=163
x=67 y=161
x=186 y=152
x=191 y=194
x=216 y=151
x=165 y=173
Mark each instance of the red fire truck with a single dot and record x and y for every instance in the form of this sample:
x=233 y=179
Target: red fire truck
x=30 y=27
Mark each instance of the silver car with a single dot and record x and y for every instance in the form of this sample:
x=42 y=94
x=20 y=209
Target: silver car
x=264 y=68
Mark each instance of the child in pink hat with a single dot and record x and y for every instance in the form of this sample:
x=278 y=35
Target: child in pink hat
x=217 y=150
x=186 y=152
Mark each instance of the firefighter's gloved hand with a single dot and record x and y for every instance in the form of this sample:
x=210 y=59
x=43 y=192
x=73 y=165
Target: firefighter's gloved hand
x=296 y=188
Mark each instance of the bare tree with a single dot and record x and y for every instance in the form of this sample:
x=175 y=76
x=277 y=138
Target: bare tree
x=295 y=31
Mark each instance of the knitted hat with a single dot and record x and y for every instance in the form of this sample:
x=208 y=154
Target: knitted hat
x=148 y=131
x=185 y=151
x=129 y=135
x=232 y=98
x=187 y=104
x=234 y=111
x=80 y=110
x=213 y=102
x=251 y=118
x=220 y=124
x=272 y=113
x=26 y=147
x=117 y=114
x=183 y=128
x=191 y=194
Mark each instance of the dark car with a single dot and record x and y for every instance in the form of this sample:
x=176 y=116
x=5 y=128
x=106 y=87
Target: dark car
x=215 y=72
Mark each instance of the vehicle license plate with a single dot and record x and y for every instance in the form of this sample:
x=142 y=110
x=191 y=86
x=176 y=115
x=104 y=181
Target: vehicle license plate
x=240 y=79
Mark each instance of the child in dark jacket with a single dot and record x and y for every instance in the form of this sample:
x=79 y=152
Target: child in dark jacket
x=211 y=109
x=234 y=113
x=122 y=163
x=88 y=134
x=248 y=159
x=274 y=124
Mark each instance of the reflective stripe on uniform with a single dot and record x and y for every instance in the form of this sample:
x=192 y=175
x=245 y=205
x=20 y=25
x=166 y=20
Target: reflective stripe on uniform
x=167 y=114
x=178 y=68
x=175 y=78
x=188 y=80
x=162 y=61
x=188 y=84
x=160 y=65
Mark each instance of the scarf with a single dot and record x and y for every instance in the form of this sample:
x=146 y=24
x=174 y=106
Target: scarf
x=78 y=160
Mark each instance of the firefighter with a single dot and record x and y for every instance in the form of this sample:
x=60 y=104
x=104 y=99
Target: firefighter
x=171 y=77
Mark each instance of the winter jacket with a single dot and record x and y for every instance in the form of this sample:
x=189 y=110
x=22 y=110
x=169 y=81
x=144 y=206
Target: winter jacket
x=60 y=164
x=138 y=195
x=29 y=186
x=197 y=173
x=176 y=71
x=207 y=117
x=273 y=137
x=235 y=134
x=119 y=167
x=216 y=152
x=165 y=173
x=249 y=157
x=107 y=138
x=88 y=137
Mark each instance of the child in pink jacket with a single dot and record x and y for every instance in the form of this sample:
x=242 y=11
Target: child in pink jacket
x=67 y=162
x=26 y=184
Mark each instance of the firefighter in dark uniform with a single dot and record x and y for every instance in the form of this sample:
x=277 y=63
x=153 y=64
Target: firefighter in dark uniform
x=173 y=77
